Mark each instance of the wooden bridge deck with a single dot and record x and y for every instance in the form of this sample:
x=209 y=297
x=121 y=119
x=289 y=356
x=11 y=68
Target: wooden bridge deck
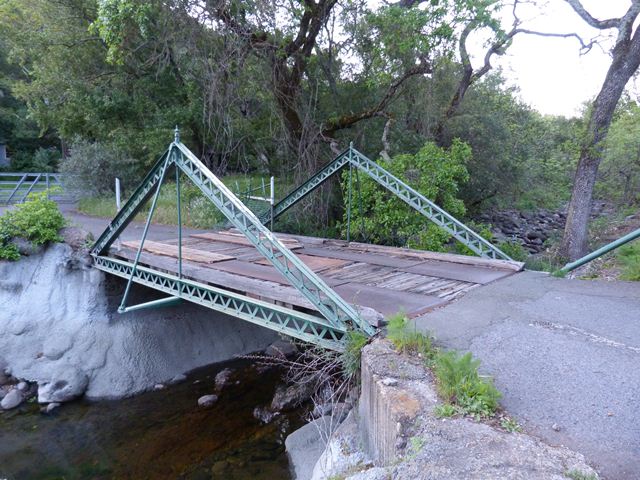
x=387 y=279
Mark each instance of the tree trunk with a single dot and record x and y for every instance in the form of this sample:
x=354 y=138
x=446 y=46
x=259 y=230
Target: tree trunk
x=574 y=241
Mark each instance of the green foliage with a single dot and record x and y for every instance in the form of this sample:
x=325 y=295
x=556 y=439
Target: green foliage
x=629 y=256
x=42 y=160
x=8 y=251
x=92 y=167
x=38 y=220
x=578 y=475
x=350 y=358
x=407 y=339
x=510 y=425
x=433 y=171
x=460 y=383
x=515 y=250
x=445 y=410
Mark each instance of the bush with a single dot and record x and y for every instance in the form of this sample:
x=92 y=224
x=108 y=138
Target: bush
x=38 y=220
x=629 y=257
x=350 y=358
x=93 y=167
x=459 y=383
x=516 y=251
x=43 y=160
x=434 y=172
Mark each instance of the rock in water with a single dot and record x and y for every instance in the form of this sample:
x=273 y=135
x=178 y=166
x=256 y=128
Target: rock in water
x=222 y=378
x=290 y=397
x=11 y=399
x=207 y=400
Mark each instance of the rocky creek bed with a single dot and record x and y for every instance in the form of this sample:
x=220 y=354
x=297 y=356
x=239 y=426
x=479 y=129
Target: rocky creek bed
x=161 y=434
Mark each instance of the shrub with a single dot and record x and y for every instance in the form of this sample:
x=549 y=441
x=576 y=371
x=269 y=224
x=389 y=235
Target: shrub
x=629 y=257
x=93 y=167
x=459 y=383
x=356 y=340
x=38 y=220
x=435 y=172
x=516 y=251
x=42 y=160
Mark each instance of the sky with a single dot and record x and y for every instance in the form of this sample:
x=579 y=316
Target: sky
x=550 y=73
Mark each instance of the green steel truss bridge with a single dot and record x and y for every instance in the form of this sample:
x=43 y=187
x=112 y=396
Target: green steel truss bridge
x=329 y=317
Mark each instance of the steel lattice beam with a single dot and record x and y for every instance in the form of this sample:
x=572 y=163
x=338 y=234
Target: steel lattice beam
x=410 y=196
x=289 y=322
x=321 y=296
x=338 y=313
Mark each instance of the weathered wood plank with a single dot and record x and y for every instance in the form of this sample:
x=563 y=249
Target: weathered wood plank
x=453 y=271
x=291 y=244
x=317 y=264
x=370 y=258
x=188 y=253
x=444 y=257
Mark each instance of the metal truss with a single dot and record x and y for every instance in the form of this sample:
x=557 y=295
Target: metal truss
x=411 y=197
x=340 y=315
x=286 y=321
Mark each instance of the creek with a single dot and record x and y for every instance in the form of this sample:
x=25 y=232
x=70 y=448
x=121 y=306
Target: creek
x=161 y=434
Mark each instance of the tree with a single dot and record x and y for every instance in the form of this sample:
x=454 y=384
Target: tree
x=625 y=60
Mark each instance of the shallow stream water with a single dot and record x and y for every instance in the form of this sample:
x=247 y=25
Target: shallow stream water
x=157 y=435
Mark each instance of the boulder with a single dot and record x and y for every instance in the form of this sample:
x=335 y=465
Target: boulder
x=305 y=446
x=26 y=247
x=207 y=400
x=287 y=398
x=222 y=378
x=76 y=238
x=12 y=399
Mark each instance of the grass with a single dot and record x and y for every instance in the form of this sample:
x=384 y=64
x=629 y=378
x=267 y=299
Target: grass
x=459 y=384
x=578 y=475
x=197 y=210
x=629 y=257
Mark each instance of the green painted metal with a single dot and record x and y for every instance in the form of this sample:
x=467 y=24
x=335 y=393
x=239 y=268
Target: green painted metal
x=308 y=328
x=601 y=251
x=321 y=296
x=123 y=304
x=339 y=315
x=162 y=302
x=411 y=197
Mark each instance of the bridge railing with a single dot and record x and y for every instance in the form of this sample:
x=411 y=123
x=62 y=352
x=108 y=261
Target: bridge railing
x=15 y=187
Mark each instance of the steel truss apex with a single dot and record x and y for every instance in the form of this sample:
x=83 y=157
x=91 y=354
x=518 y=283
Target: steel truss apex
x=410 y=196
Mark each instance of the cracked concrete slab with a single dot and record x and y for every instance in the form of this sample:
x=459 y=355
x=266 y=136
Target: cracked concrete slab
x=565 y=354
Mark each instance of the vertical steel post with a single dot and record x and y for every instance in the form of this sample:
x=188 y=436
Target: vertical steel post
x=349 y=206
x=272 y=198
x=179 y=225
x=359 y=192
x=48 y=183
x=123 y=307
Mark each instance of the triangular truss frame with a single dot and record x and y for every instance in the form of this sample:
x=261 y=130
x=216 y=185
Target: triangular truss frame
x=339 y=316
x=352 y=158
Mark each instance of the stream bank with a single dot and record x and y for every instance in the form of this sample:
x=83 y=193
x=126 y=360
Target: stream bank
x=59 y=328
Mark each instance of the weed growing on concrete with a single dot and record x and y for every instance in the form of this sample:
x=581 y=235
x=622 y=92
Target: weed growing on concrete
x=510 y=425
x=460 y=383
x=445 y=410
x=578 y=475
x=464 y=390
x=409 y=340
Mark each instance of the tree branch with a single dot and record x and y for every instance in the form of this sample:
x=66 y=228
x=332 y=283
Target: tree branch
x=594 y=22
x=347 y=121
